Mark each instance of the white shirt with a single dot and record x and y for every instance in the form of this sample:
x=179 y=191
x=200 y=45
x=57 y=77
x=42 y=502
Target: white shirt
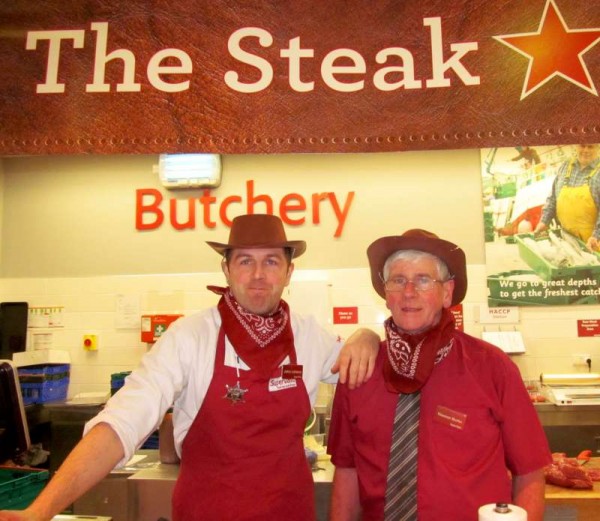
x=179 y=368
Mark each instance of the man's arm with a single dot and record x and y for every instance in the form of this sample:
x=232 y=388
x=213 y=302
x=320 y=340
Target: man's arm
x=356 y=360
x=90 y=461
x=345 y=502
x=549 y=208
x=528 y=493
x=166 y=441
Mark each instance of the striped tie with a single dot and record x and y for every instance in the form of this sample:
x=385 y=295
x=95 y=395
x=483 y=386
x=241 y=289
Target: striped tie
x=401 y=493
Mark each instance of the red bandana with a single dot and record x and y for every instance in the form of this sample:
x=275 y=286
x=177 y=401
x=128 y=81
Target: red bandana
x=410 y=358
x=262 y=342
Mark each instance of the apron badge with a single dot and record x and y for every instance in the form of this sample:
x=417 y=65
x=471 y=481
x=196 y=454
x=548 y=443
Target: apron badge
x=235 y=394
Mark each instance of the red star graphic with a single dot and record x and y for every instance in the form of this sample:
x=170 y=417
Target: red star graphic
x=554 y=50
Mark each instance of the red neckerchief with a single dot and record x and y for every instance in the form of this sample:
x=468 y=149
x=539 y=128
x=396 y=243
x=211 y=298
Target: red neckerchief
x=410 y=358
x=262 y=342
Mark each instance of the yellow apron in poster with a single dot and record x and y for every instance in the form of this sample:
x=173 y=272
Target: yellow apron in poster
x=576 y=209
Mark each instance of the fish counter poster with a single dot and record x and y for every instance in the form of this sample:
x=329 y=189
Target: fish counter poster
x=525 y=267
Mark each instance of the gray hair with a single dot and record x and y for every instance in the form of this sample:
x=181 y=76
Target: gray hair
x=443 y=273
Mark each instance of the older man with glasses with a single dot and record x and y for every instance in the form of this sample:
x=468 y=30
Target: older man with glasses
x=445 y=425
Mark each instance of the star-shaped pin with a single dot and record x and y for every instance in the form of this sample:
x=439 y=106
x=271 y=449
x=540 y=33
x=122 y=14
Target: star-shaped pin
x=554 y=50
x=235 y=394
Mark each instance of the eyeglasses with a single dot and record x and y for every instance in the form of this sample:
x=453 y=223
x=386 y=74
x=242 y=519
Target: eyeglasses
x=420 y=283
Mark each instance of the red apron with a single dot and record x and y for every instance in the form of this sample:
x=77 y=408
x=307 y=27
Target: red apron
x=245 y=461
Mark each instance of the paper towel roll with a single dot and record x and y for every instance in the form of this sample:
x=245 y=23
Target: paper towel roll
x=496 y=512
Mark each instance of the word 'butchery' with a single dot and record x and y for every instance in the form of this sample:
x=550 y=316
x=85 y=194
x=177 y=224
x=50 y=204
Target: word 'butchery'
x=151 y=208
x=342 y=70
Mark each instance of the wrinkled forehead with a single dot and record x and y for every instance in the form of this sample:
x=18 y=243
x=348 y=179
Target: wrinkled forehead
x=416 y=259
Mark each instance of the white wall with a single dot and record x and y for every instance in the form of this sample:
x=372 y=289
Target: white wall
x=75 y=216
x=69 y=240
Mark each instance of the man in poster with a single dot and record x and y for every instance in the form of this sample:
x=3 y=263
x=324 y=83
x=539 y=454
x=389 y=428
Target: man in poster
x=575 y=197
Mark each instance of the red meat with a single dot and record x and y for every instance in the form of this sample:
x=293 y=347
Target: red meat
x=566 y=472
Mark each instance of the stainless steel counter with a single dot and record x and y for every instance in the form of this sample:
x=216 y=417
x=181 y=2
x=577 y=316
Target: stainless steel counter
x=150 y=491
x=142 y=491
x=111 y=496
x=571 y=428
x=145 y=495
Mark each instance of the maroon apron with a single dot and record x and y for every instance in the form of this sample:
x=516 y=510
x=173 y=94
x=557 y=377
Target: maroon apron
x=245 y=461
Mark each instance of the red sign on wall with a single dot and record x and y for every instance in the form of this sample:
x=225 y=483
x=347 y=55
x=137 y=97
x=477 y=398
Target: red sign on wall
x=459 y=322
x=347 y=315
x=589 y=327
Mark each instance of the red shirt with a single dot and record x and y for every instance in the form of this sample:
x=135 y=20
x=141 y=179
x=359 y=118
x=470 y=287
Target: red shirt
x=476 y=425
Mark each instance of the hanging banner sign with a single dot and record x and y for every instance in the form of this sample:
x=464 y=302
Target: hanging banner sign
x=306 y=76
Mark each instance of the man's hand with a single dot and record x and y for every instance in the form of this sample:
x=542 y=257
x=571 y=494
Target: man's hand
x=528 y=493
x=91 y=460
x=541 y=227
x=356 y=361
x=593 y=244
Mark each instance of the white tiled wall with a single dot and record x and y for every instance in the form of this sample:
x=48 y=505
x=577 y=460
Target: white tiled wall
x=90 y=305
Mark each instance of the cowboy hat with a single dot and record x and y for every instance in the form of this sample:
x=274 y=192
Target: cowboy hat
x=421 y=240
x=258 y=231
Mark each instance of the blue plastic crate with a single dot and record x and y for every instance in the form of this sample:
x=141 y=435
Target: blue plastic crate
x=117 y=380
x=44 y=383
x=152 y=442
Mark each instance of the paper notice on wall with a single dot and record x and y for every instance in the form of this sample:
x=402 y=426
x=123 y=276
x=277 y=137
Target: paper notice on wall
x=509 y=341
x=496 y=315
x=127 y=312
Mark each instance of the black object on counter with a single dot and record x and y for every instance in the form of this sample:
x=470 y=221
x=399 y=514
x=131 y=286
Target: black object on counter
x=14 y=432
x=13 y=328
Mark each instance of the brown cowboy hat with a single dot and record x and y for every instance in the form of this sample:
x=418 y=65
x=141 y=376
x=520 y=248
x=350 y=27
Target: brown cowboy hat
x=421 y=240
x=258 y=231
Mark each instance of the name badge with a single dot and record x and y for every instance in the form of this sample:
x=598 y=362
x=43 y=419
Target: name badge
x=279 y=384
x=291 y=371
x=449 y=417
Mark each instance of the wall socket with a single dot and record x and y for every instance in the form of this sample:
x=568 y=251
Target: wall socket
x=581 y=359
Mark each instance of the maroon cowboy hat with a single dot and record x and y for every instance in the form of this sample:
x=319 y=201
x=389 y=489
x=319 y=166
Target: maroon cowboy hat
x=421 y=240
x=258 y=231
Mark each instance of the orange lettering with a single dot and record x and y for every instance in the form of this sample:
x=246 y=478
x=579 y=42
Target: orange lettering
x=286 y=206
x=223 y=210
x=262 y=198
x=153 y=207
x=341 y=215
x=191 y=222
x=206 y=200
x=316 y=199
